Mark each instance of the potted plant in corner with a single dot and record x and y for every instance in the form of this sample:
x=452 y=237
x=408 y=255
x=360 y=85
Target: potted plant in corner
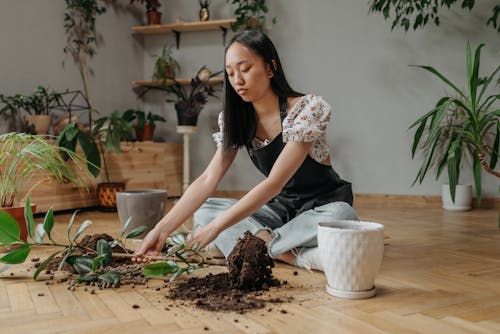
x=109 y=131
x=165 y=65
x=27 y=161
x=250 y=15
x=469 y=122
x=145 y=123
x=152 y=14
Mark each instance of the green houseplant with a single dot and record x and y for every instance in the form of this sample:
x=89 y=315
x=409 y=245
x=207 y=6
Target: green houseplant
x=145 y=123
x=165 y=66
x=477 y=118
x=109 y=131
x=250 y=14
x=190 y=99
x=27 y=161
x=152 y=14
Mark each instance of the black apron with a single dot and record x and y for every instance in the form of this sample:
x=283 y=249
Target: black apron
x=313 y=185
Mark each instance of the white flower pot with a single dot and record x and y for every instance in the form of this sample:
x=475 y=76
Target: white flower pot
x=463 y=198
x=351 y=252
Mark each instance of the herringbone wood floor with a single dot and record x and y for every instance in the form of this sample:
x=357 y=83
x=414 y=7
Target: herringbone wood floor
x=440 y=274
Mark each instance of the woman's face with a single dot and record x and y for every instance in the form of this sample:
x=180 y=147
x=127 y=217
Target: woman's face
x=247 y=72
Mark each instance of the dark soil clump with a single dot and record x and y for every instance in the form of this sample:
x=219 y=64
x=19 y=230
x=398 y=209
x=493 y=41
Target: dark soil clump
x=249 y=274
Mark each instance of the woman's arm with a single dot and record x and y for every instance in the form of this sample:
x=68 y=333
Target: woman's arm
x=289 y=160
x=195 y=195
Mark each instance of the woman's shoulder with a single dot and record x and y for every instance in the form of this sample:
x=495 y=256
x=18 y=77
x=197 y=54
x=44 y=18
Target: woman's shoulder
x=309 y=103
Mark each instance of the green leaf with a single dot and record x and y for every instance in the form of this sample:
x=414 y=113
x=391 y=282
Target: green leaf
x=83 y=226
x=48 y=222
x=91 y=152
x=17 y=256
x=125 y=225
x=82 y=264
x=477 y=177
x=177 y=274
x=97 y=262
x=28 y=217
x=454 y=156
x=112 y=277
x=136 y=232
x=43 y=265
x=39 y=233
x=416 y=138
x=178 y=238
x=443 y=78
x=70 y=224
x=494 y=152
x=9 y=229
x=66 y=256
x=104 y=249
x=160 y=269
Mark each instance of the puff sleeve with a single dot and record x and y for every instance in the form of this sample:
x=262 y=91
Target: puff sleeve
x=307 y=120
x=219 y=136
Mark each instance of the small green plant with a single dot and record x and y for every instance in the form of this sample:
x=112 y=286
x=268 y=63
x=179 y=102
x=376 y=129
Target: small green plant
x=250 y=14
x=109 y=131
x=165 y=66
x=177 y=253
x=477 y=118
x=91 y=267
x=24 y=156
x=204 y=4
x=142 y=118
x=41 y=101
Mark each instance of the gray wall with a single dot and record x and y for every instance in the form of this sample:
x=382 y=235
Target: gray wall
x=332 y=48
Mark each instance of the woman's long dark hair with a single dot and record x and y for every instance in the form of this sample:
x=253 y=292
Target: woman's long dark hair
x=240 y=120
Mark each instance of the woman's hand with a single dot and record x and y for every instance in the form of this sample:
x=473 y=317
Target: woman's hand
x=151 y=245
x=202 y=236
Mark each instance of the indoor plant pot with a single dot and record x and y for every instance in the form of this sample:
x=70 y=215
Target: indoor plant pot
x=145 y=206
x=17 y=212
x=106 y=195
x=41 y=123
x=351 y=253
x=463 y=198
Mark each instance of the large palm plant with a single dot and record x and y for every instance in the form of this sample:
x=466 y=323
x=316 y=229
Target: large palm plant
x=477 y=118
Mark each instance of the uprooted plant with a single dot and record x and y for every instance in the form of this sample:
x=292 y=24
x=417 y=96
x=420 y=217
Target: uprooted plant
x=93 y=265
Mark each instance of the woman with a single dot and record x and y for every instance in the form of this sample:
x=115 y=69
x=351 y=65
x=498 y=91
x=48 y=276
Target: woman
x=284 y=133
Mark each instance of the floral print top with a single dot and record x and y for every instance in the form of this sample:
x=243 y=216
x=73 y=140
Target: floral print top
x=305 y=122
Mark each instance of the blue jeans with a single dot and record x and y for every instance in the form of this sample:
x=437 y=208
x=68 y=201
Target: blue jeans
x=301 y=231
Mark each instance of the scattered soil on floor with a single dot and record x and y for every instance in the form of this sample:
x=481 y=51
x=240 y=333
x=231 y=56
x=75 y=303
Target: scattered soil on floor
x=240 y=290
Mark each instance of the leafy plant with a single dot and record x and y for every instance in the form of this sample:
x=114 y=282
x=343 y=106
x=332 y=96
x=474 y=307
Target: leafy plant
x=110 y=131
x=165 y=65
x=178 y=252
x=24 y=156
x=151 y=5
x=417 y=13
x=41 y=102
x=479 y=119
x=250 y=14
x=190 y=101
x=90 y=267
x=142 y=118
x=204 y=3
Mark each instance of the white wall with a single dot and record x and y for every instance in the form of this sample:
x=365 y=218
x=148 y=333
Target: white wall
x=331 y=48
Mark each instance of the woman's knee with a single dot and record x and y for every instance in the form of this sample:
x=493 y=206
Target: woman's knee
x=338 y=210
x=211 y=209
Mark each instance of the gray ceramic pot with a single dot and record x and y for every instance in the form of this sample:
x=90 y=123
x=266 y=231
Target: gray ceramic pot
x=146 y=207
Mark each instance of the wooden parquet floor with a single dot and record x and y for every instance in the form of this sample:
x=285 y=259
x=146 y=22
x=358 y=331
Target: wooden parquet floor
x=440 y=274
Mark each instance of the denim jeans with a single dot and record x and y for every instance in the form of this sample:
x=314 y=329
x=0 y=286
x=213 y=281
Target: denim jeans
x=301 y=231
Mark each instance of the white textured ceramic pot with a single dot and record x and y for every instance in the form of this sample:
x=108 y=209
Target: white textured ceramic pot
x=351 y=253
x=146 y=207
x=463 y=198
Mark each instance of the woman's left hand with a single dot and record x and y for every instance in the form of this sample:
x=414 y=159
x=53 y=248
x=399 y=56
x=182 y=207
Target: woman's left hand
x=202 y=236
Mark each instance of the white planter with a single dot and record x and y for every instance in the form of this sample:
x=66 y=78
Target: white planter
x=463 y=198
x=146 y=207
x=40 y=122
x=351 y=253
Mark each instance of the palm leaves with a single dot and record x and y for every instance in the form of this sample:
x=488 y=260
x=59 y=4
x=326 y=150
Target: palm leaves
x=460 y=124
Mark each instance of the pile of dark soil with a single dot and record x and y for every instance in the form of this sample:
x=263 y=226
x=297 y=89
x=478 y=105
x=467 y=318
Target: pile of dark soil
x=249 y=275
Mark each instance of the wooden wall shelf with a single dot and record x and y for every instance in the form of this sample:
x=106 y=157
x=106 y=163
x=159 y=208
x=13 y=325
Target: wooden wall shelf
x=156 y=83
x=183 y=27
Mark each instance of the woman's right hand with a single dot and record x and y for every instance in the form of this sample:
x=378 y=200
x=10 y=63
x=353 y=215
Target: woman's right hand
x=151 y=245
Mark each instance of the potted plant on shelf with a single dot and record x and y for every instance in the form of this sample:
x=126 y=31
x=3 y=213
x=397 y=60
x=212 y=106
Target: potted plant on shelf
x=190 y=101
x=27 y=161
x=145 y=123
x=12 y=111
x=250 y=15
x=467 y=123
x=165 y=65
x=109 y=131
x=152 y=14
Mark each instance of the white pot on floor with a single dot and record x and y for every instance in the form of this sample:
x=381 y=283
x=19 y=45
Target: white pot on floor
x=351 y=253
x=463 y=198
